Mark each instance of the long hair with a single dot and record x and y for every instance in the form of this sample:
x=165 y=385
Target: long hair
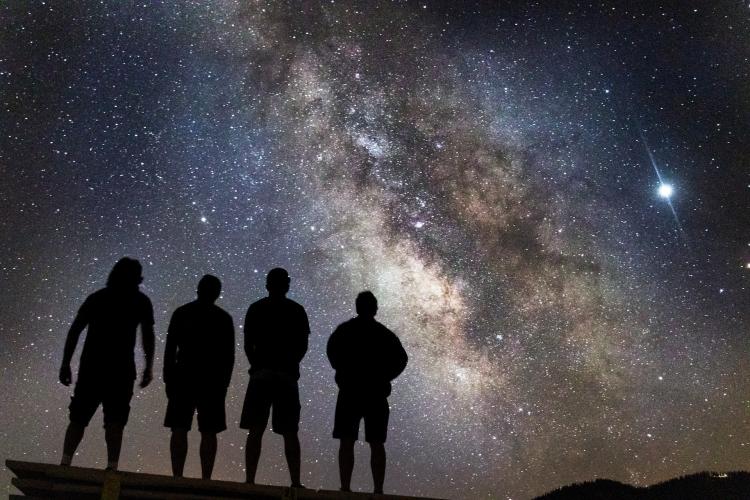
x=126 y=273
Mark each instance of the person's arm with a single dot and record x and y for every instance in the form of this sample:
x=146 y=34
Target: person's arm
x=397 y=357
x=332 y=349
x=228 y=354
x=148 y=340
x=249 y=340
x=170 y=351
x=71 y=341
x=304 y=336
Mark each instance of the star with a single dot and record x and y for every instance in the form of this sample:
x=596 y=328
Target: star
x=665 y=190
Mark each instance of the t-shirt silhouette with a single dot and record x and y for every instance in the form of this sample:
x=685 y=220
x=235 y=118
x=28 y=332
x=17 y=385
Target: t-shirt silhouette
x=276 y=335
x=112 y=316
x=366 y=355
x=200 y=346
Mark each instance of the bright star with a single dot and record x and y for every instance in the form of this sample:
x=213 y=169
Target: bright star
x=665 y=190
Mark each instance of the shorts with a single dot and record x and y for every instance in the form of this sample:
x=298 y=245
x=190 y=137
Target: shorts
x=263 y=394
x=351 y=408
x=210 y=406
x=113 y=395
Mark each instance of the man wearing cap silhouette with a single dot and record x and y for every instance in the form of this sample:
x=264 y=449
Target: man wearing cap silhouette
x=276 y=335
x=106 y=371
x=367 y=356
x=198 y=361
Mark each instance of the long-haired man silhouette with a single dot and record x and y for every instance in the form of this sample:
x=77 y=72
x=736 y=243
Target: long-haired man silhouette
x=106 y=371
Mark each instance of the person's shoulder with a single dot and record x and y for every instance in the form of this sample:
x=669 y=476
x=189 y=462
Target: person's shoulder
x=293 y=304
x=384 y=330
x=143 y=298
x=349 y=324
x=100 y=294
x=258 y=304
x=219 y=311
x=184 y=309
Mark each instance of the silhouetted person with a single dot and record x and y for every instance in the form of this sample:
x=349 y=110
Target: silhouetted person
x=198 y=362
x=106 y=371
x=276 y=332
x=367 y=356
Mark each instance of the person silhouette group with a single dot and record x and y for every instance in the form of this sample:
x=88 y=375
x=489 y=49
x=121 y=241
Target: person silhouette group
x=198 y=363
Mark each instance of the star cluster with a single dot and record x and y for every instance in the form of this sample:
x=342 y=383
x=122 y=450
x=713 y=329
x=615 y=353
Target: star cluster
x=491 y=171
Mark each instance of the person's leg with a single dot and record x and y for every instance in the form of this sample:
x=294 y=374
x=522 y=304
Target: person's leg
x=255 y=412
x=346 y=430
x=116 y=408
x=212 y=420
x=376 y=432
x=285 y=421
x=252 y=452
x=208 y=453
x=178 y=448
x=293 y=457
x=113 y=438
x=86 y=399
x=346 y=463
x=377 y=463
x=73 y=437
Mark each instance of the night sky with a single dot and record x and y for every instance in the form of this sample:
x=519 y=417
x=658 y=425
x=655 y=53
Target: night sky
x=490 y=170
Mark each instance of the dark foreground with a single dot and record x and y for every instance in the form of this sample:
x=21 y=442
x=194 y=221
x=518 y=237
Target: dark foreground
x=701 y=486
x=46 y=481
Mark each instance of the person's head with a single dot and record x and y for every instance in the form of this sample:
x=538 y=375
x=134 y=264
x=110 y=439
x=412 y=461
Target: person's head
x=367 y=304
x=277 y=282
x=209 y=288
x=126 y=273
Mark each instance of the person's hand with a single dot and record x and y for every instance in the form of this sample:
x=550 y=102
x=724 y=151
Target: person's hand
x=146 y=378
x=66 y=376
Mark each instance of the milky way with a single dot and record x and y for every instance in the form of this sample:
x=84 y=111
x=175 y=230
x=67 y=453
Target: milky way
x=481 y=168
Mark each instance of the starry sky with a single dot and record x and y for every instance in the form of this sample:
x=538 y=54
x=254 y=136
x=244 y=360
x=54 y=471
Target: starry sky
x=490 y=170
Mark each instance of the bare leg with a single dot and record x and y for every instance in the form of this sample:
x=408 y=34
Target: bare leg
x=113 y=438
x=346 y=463
x=377 y=463
x=178 y=448
x=293 y=459
x=252 y=453
x=73 y=437
x=208 y=453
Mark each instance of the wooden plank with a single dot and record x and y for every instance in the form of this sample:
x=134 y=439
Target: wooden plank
x=157 y=495
x=39 y=478
x=232 y=489
x=51 y=489
x=68 y=473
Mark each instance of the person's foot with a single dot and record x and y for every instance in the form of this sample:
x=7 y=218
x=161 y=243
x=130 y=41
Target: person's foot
x=378 y=492
x=249 y=481
x=345 y=490
x=299 y=485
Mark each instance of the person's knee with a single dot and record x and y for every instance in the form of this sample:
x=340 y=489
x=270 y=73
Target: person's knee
x=255 y=434
x=377 y=447
x=208 y=436
x=346 y=444
x=114 y=427
x=76 y=426
x=290 y=436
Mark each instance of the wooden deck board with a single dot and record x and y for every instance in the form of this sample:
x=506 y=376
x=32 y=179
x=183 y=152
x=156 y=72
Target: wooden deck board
x=37 y=480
